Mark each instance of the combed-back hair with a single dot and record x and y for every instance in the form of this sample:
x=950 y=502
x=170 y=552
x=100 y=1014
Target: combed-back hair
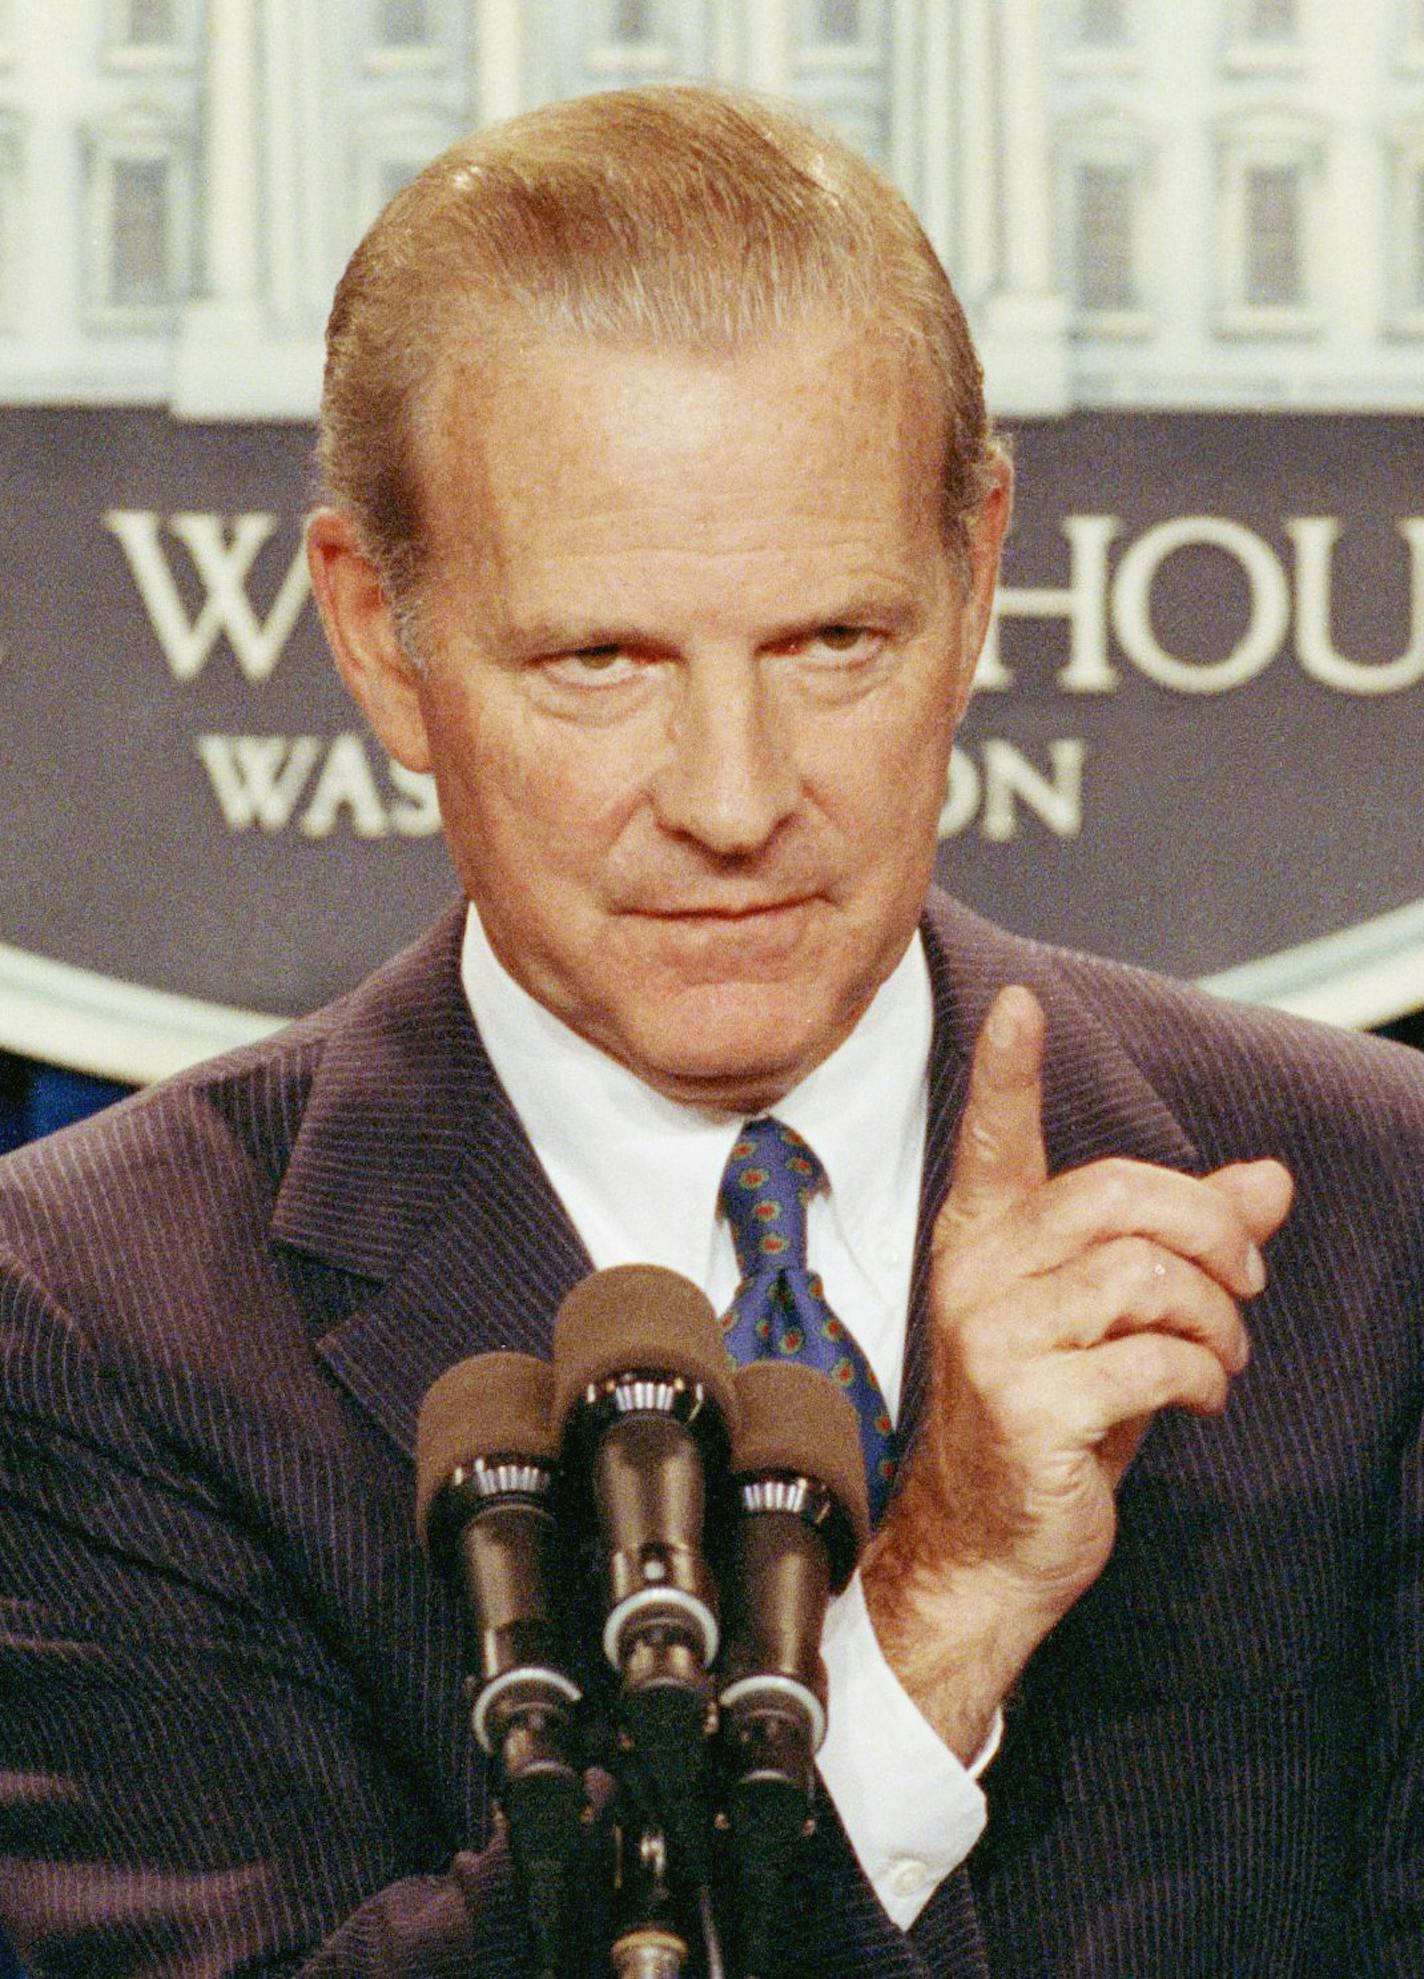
x=693 y=218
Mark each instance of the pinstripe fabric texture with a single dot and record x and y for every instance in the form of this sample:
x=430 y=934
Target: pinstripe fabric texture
x=10 y=1966
x=231 y=1731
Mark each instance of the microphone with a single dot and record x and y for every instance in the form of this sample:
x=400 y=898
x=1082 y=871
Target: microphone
x=799 y=1482
x=486 y=1470
x=644 y=1396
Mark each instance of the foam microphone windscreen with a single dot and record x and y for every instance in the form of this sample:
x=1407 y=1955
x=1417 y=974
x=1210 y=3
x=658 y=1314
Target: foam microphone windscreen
x=793 y=1418
x=638 y=1318
x=495 y=1405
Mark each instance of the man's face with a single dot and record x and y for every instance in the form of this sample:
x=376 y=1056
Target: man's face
x=695 y=650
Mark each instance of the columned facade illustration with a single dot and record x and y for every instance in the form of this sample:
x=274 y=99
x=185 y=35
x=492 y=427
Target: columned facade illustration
x=1217 y=205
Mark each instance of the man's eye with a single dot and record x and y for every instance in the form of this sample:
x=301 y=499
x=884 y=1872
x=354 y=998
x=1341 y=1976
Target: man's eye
x=593 y=666
x=841 y=643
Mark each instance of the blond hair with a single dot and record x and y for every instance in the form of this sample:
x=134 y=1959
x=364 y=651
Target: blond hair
x=692 y=218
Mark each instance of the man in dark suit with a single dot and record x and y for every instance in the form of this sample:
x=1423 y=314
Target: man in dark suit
x=664 y=530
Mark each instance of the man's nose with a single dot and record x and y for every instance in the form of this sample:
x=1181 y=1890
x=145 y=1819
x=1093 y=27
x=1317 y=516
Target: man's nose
x=728 y=776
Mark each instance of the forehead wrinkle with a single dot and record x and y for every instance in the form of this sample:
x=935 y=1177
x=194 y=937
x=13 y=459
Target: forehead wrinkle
x=837 y=572
x=705 y=507
x=534 y=548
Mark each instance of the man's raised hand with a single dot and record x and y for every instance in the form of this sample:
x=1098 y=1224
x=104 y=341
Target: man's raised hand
x=1065 y=1313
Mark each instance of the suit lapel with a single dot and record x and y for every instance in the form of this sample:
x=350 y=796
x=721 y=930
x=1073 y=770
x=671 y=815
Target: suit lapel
x=411 y=1169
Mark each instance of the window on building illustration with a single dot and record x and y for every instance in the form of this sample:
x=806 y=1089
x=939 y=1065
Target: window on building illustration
x=404 y=23
x=1406 y=230
x=620 y=43
x=1270 y=20
x=634 y=22
x=150 y=33
x=150 y=23
x=1102 y=23
x=140 y=239
x=1104 y=237
x=839 y=21
x=138 y=204
x=1275 y=267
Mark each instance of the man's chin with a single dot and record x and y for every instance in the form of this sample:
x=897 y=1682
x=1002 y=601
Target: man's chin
x=740 y=1054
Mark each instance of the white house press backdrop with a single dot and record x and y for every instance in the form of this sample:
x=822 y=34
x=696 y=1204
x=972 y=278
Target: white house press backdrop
x=1197 y=733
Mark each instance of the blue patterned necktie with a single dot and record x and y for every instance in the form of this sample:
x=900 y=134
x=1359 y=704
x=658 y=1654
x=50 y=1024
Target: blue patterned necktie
x=780 y=1310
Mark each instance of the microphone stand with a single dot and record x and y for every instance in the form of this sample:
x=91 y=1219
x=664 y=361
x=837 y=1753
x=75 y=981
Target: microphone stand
x=648 y=1945
x=653 y=1942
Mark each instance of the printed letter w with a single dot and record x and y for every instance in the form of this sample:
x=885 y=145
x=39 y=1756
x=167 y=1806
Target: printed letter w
x=223 y=551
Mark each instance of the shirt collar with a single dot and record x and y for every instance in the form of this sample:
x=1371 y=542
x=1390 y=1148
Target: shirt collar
x=636 y=1168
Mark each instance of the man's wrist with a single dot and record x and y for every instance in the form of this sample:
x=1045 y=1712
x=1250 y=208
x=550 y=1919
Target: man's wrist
x=957 y=1639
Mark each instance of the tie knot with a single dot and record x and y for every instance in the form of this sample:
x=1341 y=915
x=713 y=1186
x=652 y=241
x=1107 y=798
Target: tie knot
x=770 y=1177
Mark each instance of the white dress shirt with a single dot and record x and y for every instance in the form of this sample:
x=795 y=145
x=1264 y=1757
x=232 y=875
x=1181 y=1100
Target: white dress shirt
x=639 y=1176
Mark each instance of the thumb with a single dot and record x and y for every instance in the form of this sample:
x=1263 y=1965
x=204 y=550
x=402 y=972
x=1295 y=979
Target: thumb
x=1000 y=1156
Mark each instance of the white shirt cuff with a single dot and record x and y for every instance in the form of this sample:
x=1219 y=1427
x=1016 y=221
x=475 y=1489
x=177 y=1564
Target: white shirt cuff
x=912 y=1811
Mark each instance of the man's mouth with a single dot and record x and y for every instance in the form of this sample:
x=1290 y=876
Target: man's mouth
x=728 y=911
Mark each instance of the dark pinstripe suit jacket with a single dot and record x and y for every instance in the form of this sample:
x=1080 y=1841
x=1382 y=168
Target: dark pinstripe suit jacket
x=231 y=1732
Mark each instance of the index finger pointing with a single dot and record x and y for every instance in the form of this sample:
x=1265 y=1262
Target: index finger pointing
x=999 y=1156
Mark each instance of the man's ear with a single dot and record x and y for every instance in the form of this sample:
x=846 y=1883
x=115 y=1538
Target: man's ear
x=364 y=638
x=985 y=532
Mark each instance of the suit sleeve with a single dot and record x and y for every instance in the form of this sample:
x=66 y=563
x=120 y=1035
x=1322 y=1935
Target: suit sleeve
x=187 y=1783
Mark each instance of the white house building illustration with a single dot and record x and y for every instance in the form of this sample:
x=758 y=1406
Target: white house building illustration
x=1218 y=204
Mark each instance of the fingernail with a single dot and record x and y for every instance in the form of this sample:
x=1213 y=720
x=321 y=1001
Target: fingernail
x=1001 y=1023
x=1255 y=1269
